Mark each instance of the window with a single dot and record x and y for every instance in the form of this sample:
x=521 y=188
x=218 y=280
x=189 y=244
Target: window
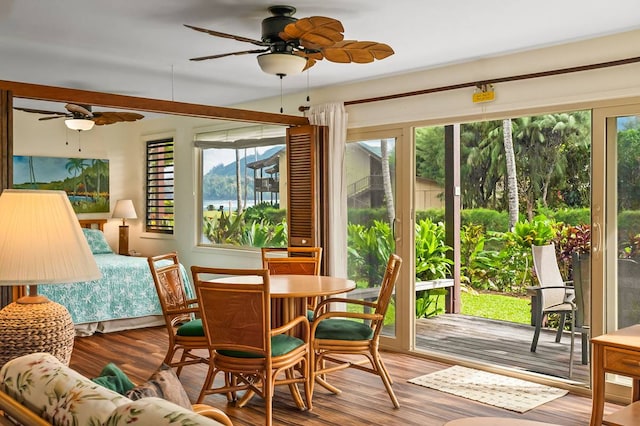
x=160 y=206
x=243 y=187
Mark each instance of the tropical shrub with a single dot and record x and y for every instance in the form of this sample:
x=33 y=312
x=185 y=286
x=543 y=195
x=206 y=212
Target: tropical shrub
x=431 y=251
x=261 y=234
x=368 y=250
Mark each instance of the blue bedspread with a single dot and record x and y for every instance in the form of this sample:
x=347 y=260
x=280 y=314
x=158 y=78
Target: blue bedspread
x=126 y=290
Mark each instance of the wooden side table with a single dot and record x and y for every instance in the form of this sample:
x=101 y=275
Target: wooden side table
x=617 y=352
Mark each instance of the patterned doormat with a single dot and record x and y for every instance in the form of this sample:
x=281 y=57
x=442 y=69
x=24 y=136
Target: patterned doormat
x=493 y=389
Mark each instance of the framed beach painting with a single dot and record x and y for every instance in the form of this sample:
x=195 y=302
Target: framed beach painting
x=85 y=180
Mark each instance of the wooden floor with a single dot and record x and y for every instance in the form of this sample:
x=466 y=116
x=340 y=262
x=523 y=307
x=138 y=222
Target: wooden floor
x=363 y=400
x=503 y=344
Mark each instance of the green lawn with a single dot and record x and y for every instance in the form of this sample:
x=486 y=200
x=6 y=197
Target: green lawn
x=497 y=306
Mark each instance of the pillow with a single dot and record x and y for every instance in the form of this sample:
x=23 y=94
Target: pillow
x=97 y=243
x=111 y=377
x=162 y=384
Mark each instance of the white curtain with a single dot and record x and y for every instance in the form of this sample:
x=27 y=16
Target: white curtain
x=334 y=116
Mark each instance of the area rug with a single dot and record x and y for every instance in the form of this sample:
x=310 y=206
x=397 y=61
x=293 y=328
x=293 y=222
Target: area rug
x=493 y=389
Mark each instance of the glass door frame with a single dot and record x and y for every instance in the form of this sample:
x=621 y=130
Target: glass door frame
x=404 y=225
x=604 y=253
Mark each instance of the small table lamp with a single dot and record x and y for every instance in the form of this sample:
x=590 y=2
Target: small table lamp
x=41 y=242
x=124 y=210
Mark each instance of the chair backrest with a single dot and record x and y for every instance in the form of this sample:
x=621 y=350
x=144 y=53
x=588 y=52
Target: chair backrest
x=170 y=286
x=547 y=271
x=389 y=279
x=582 y=283
x=235 y=308
x=292 y=260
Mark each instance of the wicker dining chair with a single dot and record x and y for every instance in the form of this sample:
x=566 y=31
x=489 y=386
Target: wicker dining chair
x=353 y=333
x=183 y=328
x=294 y=260
x=251 y=355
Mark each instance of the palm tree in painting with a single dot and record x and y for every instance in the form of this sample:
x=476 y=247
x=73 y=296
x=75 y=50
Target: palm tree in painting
x=32 y=173
x=76 y=166
x=100 y=168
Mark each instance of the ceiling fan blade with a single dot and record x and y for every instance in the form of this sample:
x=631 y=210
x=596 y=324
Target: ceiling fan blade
x=111 y=117
x=225 y=35
x=57 y=116
x=314 y=32
x=360 y=52
x=222 y=55
x=38 y=111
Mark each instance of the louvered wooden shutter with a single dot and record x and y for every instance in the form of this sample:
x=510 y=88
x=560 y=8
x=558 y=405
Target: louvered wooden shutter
x=6 y=166
x=304 y=177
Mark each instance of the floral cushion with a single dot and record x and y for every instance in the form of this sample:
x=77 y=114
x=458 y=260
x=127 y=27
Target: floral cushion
x=57 y=393
x=97 y=242
x=157 y=412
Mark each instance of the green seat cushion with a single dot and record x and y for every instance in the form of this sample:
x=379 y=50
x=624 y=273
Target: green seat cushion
x=111 y=377
x=310 y=314
x=191 y=328
x=280 y=345
x=343 y=329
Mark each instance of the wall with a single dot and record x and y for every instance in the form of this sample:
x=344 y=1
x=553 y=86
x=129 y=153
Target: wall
x=123 y=143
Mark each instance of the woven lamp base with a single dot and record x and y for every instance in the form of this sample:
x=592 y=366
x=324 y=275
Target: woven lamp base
x=36 y=327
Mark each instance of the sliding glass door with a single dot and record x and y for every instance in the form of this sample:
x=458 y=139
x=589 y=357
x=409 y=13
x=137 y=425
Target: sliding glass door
x=616 y=224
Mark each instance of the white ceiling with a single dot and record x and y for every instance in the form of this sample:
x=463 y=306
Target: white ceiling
x=141 y=48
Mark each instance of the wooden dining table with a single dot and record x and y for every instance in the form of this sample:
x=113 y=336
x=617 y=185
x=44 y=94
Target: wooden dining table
x=289 y=293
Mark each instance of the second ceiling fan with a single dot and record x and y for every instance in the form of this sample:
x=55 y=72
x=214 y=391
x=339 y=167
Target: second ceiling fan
x=77 y=114
x=289 y=45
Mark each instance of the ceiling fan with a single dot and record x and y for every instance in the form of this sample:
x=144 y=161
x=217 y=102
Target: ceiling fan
x=77 y=114
x=290 y=45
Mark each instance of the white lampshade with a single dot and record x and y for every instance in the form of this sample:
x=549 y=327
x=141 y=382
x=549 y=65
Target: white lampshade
x=281 y=63
x=41 y=241
x=124 y=210
x=79 y=124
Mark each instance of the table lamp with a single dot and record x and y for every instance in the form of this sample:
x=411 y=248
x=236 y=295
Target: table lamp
x=41 y=242
x=124 y=210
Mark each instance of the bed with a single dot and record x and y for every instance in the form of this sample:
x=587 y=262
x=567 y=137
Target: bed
x=124 y=298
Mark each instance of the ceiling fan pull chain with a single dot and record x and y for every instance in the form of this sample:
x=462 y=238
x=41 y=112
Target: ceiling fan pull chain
x=281 y=109
x=308 y=97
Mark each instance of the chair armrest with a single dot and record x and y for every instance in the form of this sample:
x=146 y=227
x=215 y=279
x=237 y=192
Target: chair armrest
x=343 y=314
x=291 y=324
x=322 y=305
x=212 y=413
x=193 y=310
x=10 y=407
x=538 y=288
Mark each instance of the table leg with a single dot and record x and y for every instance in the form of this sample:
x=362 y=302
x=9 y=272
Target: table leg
x=597 y=397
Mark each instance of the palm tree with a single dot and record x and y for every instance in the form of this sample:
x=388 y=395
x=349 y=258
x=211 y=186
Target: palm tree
x=239 y=205
x=512 y=178
x=386 y=181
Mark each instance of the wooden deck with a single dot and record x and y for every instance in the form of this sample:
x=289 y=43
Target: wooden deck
x=502 y=344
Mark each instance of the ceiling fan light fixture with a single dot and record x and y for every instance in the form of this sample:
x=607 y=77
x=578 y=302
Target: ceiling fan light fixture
x=79 y=124
x=281 y=64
